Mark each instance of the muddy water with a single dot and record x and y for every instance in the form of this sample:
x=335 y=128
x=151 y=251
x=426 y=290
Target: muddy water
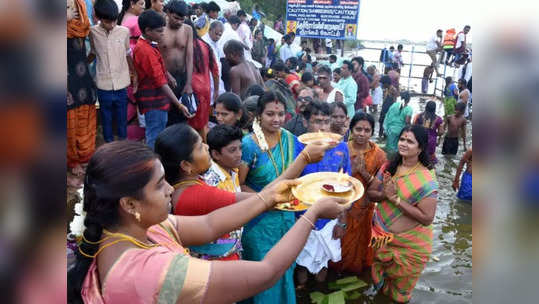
x=448 y=275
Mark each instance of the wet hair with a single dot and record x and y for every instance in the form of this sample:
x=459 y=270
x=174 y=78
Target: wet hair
x=106 y=10
x=253 y=90
x=174 y=145
x=333 y=57
x=233 y=47
x=198 y=55
x=324 y=69
x=150 y=19
x=216 y=24
x=460 y=106
x=241 y=13
x=349 y=65
x=213 y=7
x=126 y=4
x=421 y=135
x=232 y=102
x=116 y=170
x=316 y=107
x=269 y=96
x=359 y=116
x=430 y=112
x=338 y=104
x=306 y=77
x=233 y=19
x=221 y=136
x=359 y=60
x=463 y=81
x=177 y=7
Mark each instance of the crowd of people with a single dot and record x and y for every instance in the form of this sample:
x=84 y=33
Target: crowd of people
x=179 y=206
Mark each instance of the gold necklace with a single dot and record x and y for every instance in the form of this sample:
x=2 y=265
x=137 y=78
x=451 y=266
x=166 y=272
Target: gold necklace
x=282 y=158
x=122 y=237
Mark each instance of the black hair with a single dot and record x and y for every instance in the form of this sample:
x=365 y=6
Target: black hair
x=337 y=70
x=177 y=7
x=338 y=104
x=406 y=97
x=421 y=136
x=233 y=19
x=258 y=31
x=448 y=80
x=232 y=102
x=301 y=66
x=203 y=6
x=106 y=10
x=254 y=89
x=334 y=57
x=385 y=80
x=267 y=97
x=306 y=77
x=279 y=66
x=391 y=47
x=359 y=60
x=233 y=47
x=198 y=61
x=324 y=69
x=316 y=107
x=241 y=13
x=467 y=26
x=463 y=81
x=149 y=3
x=349 y=65
x=150 y=19
x=439 y=31
x=125 y=6
x=460 y=106
x=400 y=46
x=116 y=170
x=174 y=145
x=213 y=7
x=430 y=112
x=194 y=6
x=292 y=63
x=359 y=116
x=221 y=136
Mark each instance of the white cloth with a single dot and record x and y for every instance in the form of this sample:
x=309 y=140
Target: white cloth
x=320 y=248
x=331 y=95
x=228 y=34
x=245 y=34
x=460 y=38
x=218 y=53
x=377 y=95
x=467 y=73
x=432 y=43
x=285 y=52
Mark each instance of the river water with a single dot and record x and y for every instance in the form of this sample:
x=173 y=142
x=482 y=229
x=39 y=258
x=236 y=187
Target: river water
x=448 y=275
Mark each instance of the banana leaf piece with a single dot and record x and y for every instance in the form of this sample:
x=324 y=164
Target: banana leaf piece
x=354 y=295
x=317 y=297
x=336 y=298
x=354 y=286
x=347 y=280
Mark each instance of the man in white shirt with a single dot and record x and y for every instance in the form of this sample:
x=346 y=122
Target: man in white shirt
x=460 y=45
x=286 y=50
x=212 y=39
x=434 y=45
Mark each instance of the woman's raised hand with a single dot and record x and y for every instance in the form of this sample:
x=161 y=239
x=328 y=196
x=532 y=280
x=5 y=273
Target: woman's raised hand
x=315 y=151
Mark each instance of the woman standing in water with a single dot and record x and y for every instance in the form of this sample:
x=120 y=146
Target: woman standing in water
x=407 y=191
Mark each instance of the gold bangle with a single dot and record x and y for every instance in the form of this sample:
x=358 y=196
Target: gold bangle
x=308 y=220
x=263 y=200
x=307 y=156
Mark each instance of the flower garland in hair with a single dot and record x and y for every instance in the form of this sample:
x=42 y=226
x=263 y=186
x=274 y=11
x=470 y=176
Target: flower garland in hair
x=257 y=130
x=77 y=225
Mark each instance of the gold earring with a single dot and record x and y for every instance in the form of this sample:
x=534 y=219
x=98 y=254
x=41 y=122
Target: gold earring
x=137 y=216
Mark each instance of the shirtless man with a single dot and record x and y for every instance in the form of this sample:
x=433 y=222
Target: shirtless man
x=243 y=73
x=177 y=50
x=465 y=188
x=464 y=95
x=455 y=124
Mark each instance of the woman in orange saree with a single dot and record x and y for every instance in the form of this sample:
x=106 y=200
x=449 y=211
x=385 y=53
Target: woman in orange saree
x=131 y=250
x=367 y=158
x=406 y=189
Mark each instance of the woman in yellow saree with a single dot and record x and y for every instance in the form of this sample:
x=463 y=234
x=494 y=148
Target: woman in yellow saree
x=131 y=250
x=406 y=189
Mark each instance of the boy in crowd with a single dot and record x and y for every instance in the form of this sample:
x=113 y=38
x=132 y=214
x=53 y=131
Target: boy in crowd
x=154 y=95
x=319 y=119
x=456 y=124
x=115 y=70
x=224 y=143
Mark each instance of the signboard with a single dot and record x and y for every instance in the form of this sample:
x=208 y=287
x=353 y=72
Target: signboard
x=334 y=19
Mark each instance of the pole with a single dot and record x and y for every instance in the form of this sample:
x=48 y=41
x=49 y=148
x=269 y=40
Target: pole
x=411 y=66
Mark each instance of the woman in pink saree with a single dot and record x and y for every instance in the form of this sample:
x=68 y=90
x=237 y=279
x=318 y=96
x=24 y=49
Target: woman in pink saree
x=131 y=250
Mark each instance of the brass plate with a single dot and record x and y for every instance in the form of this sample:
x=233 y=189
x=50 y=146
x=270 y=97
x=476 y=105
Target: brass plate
x=310 y=189
x=326 y=137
